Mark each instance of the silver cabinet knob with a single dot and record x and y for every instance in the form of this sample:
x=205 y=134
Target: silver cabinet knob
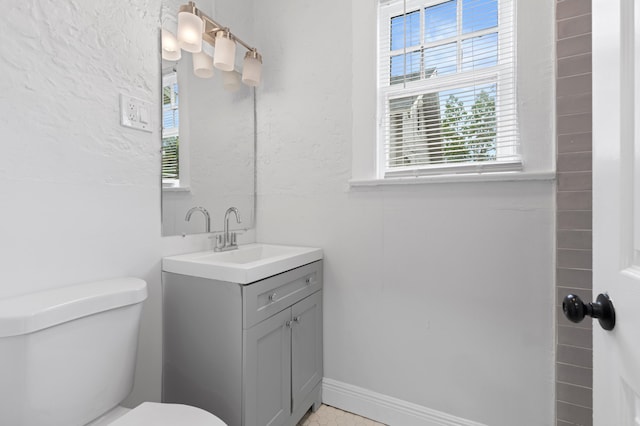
x=297 y=319
x=308 y=280
x=272 y=297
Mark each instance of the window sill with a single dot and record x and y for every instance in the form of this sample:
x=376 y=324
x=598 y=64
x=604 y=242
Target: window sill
x=455 y=178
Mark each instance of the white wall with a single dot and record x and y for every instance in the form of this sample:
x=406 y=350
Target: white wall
x=80 y=195
x=412 y=274
x=439 y=295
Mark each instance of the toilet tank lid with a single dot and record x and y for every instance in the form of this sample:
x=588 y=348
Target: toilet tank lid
x=36 y=311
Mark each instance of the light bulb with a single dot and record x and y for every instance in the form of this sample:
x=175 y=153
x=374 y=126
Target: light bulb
x=225 y=51
x=202 y=65
x=252 y=68
x=231 y=81
x=190 y=28
x=170 y=49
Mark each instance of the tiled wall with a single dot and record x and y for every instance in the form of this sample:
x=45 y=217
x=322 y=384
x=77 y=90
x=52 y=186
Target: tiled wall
x=573 y=107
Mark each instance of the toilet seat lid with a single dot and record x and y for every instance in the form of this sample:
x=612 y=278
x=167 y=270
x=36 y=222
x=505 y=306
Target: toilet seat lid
x=156 y=414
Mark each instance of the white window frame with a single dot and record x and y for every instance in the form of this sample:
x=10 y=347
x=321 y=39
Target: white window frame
x=503 y=75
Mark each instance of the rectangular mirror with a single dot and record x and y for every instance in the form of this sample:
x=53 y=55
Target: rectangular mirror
x=208 y=137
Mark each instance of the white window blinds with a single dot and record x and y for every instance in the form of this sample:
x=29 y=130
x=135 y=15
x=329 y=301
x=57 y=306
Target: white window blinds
x=170 y=128
x=447 y=87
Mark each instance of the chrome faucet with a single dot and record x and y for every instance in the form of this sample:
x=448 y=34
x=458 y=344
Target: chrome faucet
x=227 y=241
x=207 y=223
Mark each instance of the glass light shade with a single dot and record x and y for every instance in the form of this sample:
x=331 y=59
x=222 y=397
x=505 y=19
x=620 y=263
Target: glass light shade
x=231 y=81
x=202 y=65
x=190 y=28
x=225 y=54
x=170 y=49
x=252 y=69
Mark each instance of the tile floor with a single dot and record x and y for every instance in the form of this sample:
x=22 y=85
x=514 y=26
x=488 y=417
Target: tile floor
x=331 y=416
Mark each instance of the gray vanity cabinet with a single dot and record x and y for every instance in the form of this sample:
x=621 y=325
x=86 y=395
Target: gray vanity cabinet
x=306 y=349
x=251 y=354
x=267 y=391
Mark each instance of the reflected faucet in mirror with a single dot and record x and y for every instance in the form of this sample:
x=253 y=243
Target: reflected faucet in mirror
x=227 y=241
x=207 y=218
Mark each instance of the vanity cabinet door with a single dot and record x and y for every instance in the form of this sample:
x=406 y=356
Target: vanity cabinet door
x=306 y=347
x=267 y=371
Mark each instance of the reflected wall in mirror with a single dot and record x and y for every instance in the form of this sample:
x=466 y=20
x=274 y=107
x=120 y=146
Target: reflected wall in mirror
x=208 y=132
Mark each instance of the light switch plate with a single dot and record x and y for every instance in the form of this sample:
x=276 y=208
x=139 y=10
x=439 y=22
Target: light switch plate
x=135 y=113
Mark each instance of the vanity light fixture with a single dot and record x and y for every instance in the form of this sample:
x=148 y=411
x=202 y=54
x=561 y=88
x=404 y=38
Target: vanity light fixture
x=231 y=81
x=202 y=65
x=170 y=49
x=190 y=28
x=194 y=27
x=252 y=69
x=225 y=55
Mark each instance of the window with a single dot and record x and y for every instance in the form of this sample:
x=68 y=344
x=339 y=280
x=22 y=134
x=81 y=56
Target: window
x=446 y=87
x=170 y=131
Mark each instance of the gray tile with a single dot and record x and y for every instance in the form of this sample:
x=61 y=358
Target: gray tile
x=574 y=26
x=575 y=142
x=574 y=181
x=574 y=203
x=573 y=375
x=583 y=293
x=574 y=278
x=576 y=395
x=574 y=65
x=563 y=321
x=570 y=8
x=574 y=414
x=579 y=337
x=574 y=259
x=575 y=162
x=570 y=239
x=577 y=123
x=577 y=200
x=573 y=85
x=580 y=357
x=574 y=104
x=574 y=220
x=573 y=46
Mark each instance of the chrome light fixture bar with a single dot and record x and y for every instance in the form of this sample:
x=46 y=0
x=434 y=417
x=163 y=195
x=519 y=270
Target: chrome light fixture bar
x=194 y=27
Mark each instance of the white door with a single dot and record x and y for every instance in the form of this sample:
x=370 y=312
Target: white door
x=616 y=208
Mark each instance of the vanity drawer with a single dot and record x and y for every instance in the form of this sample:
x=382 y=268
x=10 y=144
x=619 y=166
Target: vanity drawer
x=267 y=297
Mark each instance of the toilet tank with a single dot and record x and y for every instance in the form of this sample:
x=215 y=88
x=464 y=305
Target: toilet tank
x=67 y=355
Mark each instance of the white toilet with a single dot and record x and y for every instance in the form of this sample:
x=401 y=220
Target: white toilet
x=67 y=358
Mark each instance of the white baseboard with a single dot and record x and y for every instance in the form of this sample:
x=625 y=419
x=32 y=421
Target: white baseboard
x=385 y=409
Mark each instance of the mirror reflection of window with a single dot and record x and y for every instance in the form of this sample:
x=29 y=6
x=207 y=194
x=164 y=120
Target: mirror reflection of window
x=170 y=130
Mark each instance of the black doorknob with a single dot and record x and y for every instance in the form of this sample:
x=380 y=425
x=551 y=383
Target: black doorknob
x=602 y=309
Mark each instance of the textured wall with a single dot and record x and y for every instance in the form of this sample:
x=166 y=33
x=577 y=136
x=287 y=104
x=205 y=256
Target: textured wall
x=430 y=290
x=80 y=194
x=573 y=105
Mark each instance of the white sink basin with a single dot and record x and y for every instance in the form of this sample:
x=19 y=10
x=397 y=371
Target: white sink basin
x=249 y=263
